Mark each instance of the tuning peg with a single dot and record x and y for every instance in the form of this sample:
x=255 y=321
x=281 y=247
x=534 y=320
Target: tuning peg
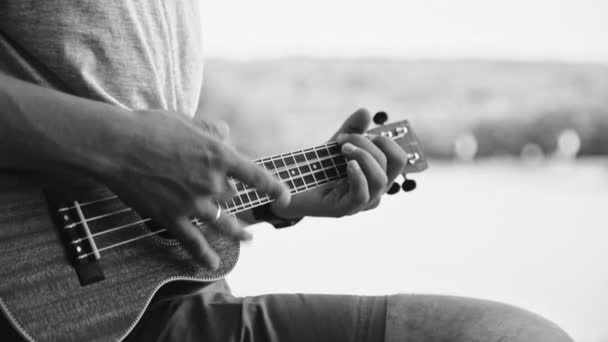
x=408 y=185
x=380 y=118
x=394 y=189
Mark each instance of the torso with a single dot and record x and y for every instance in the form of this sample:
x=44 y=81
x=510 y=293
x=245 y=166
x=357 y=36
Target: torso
x=136 y=54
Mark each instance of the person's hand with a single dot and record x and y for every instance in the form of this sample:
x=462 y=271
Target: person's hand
x=171 y=169
x=373 y=165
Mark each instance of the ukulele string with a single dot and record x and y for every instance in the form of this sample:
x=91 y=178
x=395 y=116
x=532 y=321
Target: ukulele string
x=257 y=161
x=198 y=222
x=246 y=191
x=235 y=209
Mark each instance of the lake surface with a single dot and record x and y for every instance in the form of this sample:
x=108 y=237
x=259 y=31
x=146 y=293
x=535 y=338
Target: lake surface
x=534 y=236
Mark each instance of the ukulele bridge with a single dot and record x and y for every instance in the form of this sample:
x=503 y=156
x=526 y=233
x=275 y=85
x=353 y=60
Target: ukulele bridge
x=76 y=236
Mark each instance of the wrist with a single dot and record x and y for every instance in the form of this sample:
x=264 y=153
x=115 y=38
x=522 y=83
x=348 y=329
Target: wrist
x=106 y=152
x=267 y=213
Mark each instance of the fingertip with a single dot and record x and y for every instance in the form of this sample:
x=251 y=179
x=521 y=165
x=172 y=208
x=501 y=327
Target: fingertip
x=284 y=200
x=353 y=166
x=283 y=196
x=213 y=261
x=363 y=115
x=348 y=148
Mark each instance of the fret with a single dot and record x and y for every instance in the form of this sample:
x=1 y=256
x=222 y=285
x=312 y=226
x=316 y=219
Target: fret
x=300 y=171
x=299 y=157
x=291 y=183
x=303 y=172
x=278 y=163
x=258 y=200
x=295 y=172
x=243 y=200
x=308 y=168
x=332 y=168
x=283 y=175
x=267 y=163
x=288 y=159
x=317 y=166
x=246 y=198
x=231 y=180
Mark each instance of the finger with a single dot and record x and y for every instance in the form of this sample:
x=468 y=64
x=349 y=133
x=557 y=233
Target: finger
x=231 y=226
x=373 y=204
x=257 y=177
x=358 y=193
x=395 y=156
x=213 y=183
x=194 y=242
x=230 y=191
x=357 y=122
x=366 y=144
x=224 y=223
x=375 y=175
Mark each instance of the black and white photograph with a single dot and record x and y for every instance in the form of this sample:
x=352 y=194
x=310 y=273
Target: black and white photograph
x=306 y=171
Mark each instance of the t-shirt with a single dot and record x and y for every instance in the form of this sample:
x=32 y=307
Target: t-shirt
x=136 y=54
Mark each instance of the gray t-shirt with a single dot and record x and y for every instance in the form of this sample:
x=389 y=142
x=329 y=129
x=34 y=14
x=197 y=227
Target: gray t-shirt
x=137 y=54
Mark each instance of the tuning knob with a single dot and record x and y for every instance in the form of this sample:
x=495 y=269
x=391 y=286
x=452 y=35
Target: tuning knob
x=394 y=189
x=380 y=118
x=408 y=185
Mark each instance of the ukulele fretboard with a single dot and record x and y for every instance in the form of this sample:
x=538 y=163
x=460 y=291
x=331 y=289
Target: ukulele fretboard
x=300 y=170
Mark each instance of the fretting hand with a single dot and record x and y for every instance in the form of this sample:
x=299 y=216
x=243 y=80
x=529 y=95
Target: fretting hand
x=373 y=165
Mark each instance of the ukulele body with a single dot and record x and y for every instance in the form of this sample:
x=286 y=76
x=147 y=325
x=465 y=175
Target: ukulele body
x=41 y=293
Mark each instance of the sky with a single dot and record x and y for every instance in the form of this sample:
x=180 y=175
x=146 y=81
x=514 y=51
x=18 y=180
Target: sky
x=565 y=30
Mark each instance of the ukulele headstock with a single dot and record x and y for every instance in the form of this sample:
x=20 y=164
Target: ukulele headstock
x=401 y=132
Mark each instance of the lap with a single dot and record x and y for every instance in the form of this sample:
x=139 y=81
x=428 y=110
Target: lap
x=219 y=316
x=216 y=315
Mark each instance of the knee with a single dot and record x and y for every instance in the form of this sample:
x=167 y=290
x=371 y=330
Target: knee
x=421 y=318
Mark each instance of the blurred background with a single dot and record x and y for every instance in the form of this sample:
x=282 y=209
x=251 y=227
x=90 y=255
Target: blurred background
x=510 y=102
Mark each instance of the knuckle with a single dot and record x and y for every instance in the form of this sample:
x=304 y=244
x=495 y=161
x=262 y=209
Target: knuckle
x=374 y=204
x=383 y=161
x=378 y=182
x=217 y=183
x=220 y=154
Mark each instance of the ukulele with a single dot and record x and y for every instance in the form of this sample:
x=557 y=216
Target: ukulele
x=77 y=264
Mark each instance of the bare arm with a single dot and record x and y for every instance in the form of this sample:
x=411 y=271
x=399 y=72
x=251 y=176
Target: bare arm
x=43 y=129
x=158 y=162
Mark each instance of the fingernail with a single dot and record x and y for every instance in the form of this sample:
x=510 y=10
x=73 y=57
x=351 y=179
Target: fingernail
x=353 y=165
x=341 y=137
x=348 y=148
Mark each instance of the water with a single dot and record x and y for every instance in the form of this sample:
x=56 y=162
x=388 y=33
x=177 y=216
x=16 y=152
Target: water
x=531 y=235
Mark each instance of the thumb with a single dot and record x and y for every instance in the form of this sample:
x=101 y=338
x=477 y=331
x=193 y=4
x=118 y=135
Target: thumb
x=356 y=123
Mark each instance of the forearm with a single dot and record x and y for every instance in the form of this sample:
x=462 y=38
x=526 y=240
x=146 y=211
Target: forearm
x=46 y=130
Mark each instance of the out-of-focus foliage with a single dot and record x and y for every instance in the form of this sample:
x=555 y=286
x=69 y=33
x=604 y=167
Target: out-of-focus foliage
x=279 y=105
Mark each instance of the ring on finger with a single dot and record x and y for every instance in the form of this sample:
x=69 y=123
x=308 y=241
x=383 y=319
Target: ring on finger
x=218 y=214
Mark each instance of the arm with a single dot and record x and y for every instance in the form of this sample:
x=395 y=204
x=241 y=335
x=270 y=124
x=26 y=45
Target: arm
x=158 y=162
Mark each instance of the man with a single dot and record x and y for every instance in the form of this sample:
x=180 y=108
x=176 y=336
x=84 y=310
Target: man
x=105 y=90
